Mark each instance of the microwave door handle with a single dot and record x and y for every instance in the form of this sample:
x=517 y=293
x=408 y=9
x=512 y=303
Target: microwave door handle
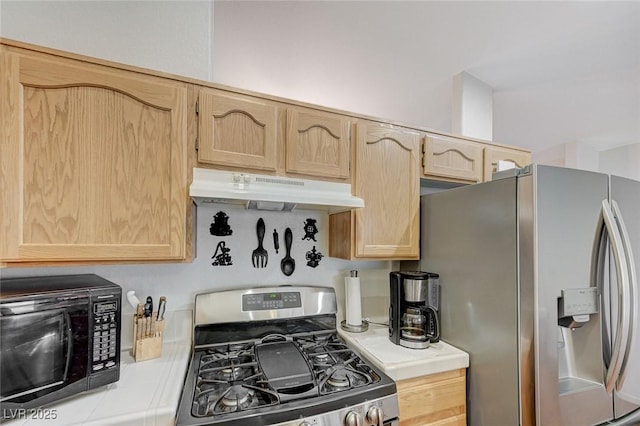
x=69 y=339
x=633 y=288
x=622 y=331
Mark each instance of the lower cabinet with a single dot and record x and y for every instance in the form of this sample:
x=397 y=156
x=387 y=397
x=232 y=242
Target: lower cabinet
x=437 y=399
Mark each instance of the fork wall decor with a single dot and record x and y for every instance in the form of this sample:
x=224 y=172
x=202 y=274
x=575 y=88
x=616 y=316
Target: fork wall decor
x=260 y=256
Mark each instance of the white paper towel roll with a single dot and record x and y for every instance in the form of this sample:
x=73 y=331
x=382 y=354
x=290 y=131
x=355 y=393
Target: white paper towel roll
x=352 y=295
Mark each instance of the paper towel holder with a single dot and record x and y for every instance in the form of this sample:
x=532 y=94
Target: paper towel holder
x=352 y=290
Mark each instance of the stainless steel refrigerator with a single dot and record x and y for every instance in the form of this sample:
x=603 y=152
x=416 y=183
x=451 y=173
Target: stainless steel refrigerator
x=538 y=274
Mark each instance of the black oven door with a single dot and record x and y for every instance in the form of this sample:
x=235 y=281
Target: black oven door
x=43 y=350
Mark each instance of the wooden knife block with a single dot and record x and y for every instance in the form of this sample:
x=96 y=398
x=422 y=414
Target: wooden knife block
x=147 y=337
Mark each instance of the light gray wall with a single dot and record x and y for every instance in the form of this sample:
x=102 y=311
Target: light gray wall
x=623 y=161
x=170 y=36
x=562 y=72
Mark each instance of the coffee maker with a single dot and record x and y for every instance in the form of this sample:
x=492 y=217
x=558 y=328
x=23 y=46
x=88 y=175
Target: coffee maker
x=414 y=312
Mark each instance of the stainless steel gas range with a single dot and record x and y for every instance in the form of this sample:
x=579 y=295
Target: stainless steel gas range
x=272 y=356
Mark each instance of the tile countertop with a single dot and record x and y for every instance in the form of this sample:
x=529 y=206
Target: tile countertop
x=147 y=393
x=401 y=363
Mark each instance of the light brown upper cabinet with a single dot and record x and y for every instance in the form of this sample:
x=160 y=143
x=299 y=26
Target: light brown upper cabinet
x=387 y=176
x=494 y=153
x=93 y=163
x=446 y=158
x=317 y=143
x=237 y=130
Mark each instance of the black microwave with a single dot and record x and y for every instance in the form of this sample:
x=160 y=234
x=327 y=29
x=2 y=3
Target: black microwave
x=59 y=336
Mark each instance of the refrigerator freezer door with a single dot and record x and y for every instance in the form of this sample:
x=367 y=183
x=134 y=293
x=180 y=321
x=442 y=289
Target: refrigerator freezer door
x=625 y=193
x=469 y=238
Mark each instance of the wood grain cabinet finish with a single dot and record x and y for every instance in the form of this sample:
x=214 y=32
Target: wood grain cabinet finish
x=237 y=130
x=387 y=176
x=93 y=163
x=450 y=159
x=317 y=143
x=494 y=153
x=435 y=400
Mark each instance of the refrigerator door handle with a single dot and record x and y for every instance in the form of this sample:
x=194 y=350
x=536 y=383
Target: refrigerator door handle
x=623 y=322
x=633 y=289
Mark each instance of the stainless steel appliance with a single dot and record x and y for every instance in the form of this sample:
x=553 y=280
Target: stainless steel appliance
x=272 y=356
x=414 y=309
x=539 y=285
x=59 y=336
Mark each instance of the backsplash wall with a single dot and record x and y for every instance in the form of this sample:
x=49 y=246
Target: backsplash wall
x=180 y=282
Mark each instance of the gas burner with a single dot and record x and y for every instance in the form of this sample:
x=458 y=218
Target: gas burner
x=342 y=376
x=338 y=377
x=321 y=358
x=242 y=352
x=226 y=374
x=237 y=396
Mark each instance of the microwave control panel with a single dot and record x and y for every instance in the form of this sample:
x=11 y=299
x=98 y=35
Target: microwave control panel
x=105 y=335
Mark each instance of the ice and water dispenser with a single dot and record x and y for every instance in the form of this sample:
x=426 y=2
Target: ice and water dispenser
x=579 y=340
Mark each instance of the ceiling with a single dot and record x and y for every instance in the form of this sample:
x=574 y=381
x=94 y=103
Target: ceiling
x=561 y=71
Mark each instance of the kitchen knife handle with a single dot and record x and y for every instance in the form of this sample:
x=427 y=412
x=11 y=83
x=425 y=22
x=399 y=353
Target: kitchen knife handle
x=162 y=306
x=148 y=307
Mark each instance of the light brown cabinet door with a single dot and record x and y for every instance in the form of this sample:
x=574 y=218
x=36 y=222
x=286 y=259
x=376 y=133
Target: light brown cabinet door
x=387 y=177
x=435 y=400
x=93 y=163
x=493 y=153
x=452 y=159
x=317 y=143
x=236 y=130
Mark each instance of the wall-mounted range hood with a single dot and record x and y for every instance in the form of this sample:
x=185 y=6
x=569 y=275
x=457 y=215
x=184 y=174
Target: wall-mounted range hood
x=264 y=192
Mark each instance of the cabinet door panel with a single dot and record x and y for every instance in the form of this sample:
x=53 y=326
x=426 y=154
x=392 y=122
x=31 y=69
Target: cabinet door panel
x=493 y=153
x=439 y=399
x=453 y=159
x=317 y=143
x=101 y=157
x=237 y=131
x=388 y=179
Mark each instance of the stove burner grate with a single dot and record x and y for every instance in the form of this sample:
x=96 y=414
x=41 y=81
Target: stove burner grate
x=230 y=379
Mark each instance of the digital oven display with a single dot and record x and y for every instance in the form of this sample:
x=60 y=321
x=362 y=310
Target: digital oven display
x=104 y=307
x=267 y=301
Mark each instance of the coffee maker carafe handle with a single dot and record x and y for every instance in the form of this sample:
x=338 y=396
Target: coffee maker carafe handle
x=431 y=315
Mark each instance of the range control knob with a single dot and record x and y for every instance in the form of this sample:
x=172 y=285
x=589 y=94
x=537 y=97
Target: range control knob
x=375 y=416
x=353 y=419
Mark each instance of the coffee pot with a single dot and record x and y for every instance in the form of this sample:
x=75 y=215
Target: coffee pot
x=414 y=320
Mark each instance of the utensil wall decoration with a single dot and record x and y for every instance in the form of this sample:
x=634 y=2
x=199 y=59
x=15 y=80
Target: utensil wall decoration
x=310 y=229
x=287 y=264
x=260 y=256
x=276 y=241
x=220 y=226
x=313 y=257
x=223 y=258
